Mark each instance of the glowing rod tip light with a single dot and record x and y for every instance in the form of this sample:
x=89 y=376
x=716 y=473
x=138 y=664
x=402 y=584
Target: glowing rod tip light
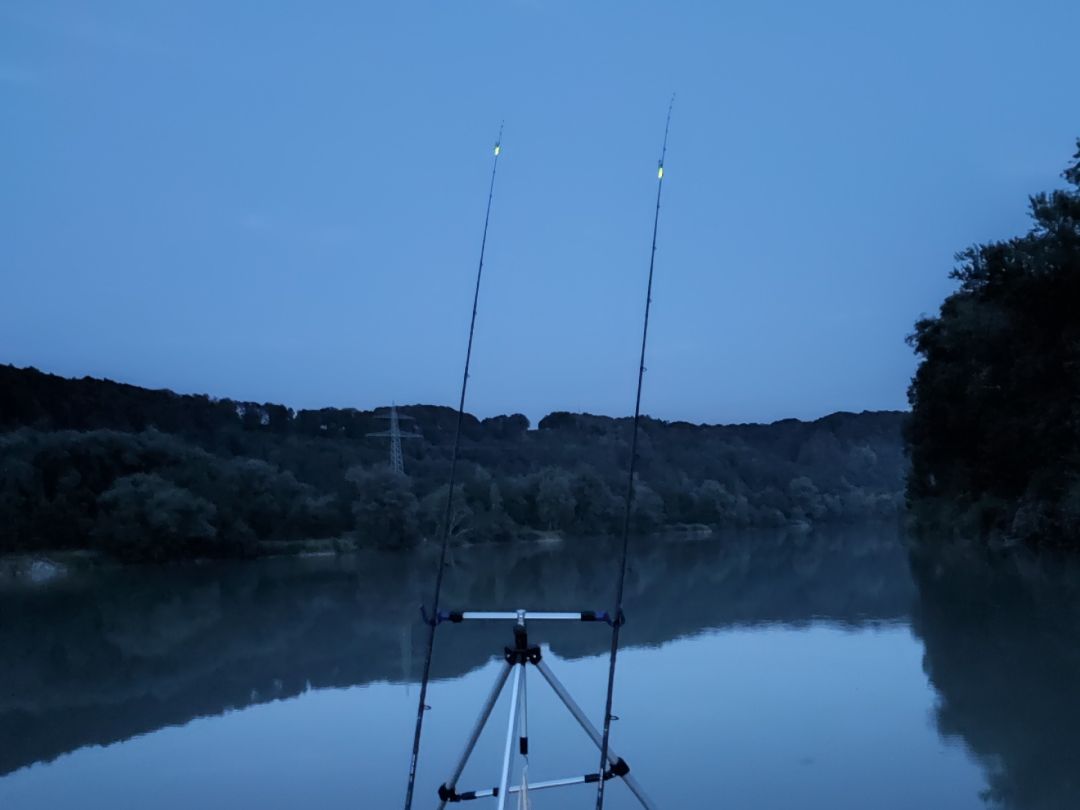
x=497 y=148
x=660 y=172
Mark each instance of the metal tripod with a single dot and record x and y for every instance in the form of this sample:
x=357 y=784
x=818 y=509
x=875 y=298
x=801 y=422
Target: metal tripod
x=513 y=670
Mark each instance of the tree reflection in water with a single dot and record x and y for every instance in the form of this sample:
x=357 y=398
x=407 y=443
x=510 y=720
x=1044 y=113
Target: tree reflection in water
x=1002 y=639
x=108 y=654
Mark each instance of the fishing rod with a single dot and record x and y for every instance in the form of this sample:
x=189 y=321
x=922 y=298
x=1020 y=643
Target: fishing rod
x=433 y=621
x=617 y=616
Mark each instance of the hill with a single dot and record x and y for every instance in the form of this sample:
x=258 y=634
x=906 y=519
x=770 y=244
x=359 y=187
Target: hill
x=153 y=475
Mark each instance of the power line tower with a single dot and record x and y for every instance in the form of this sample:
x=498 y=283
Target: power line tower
x=397 y=463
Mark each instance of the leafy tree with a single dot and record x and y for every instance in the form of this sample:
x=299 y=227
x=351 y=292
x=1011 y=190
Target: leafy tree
x=713 y=503
x=647 y=509
x=385 y=509
x=507 y=427
x=995 y=426
x=433 y=512
x=555 y=500
x=146 y=518
x=596 y=508
x=806 y=501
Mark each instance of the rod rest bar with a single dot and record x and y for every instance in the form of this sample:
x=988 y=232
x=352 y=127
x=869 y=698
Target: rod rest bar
x=450 y=795
x=457 y=616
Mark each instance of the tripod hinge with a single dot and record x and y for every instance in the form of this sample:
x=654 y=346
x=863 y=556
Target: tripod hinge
x=522 y=655
x=447 y=794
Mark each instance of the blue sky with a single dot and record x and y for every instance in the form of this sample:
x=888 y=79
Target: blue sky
x=282 y=201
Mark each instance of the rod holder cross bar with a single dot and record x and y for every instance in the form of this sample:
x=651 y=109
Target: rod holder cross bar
x=585 y=779
x=456 y=616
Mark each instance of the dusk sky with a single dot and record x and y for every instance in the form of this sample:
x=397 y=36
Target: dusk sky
x=283 y=202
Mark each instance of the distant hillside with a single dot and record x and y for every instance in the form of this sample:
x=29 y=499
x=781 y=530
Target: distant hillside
x=150 y=474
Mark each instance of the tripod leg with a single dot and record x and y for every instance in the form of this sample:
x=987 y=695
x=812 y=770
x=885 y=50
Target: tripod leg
x=523 y=740
x=508 y=754
x=523 y=734
x=616 y=763
x=485 y=713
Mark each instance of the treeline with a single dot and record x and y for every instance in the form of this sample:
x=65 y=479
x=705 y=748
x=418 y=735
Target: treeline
x=995 y=428
x=155 y=475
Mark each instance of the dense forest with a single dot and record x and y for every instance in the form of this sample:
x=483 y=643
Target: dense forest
x=153 y=475
x=994 y=435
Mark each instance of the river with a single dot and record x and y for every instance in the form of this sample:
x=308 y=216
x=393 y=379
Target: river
x=828 y=670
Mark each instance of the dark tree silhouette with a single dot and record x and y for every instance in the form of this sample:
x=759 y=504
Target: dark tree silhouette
x=995 y=427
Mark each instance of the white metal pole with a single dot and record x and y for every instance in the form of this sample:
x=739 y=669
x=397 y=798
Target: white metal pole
x=523 y=730
x=508 y=753
x=591 y=730
x=481 y=721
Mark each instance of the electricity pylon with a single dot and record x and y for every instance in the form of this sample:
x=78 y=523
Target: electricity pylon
x=397 y=462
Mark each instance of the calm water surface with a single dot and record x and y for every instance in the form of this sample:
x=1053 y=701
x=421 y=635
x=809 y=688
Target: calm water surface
x=829 y=670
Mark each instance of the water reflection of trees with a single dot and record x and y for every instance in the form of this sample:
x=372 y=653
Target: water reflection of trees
x=106 y=655
x=1002 y=643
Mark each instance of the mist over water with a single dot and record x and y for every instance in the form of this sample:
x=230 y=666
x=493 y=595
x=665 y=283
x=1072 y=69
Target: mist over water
x=824 y=670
